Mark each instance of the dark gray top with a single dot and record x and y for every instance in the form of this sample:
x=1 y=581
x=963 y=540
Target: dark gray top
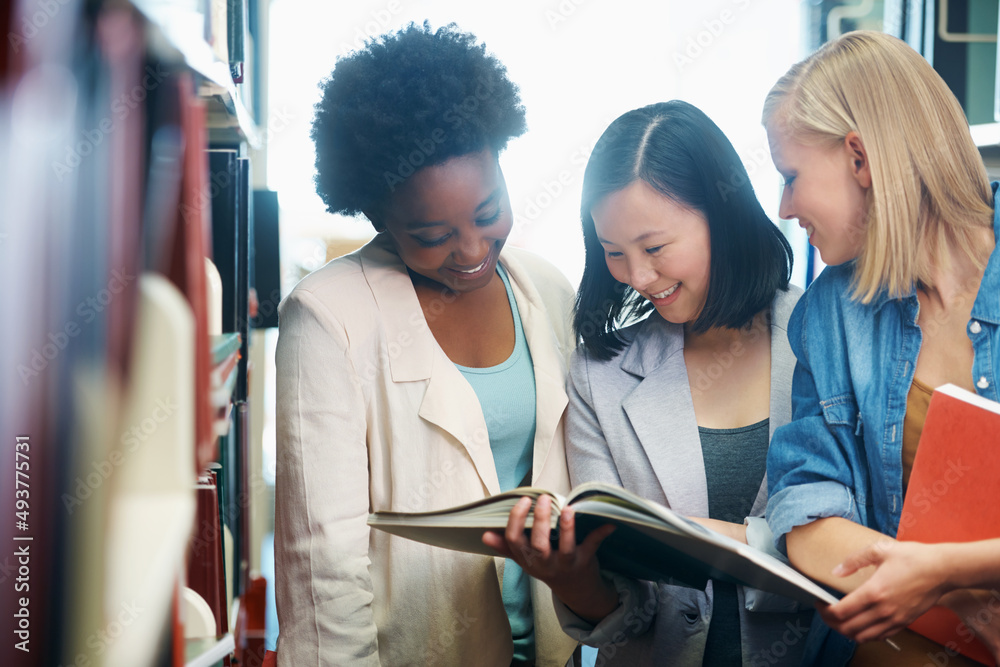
x=735 y=462
x=631 y=423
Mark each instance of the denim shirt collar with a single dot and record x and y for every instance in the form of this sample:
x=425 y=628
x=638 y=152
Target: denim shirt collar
x=987 y=306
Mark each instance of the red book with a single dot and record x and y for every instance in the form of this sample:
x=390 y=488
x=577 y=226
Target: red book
x=206 y=573
x=952 y=495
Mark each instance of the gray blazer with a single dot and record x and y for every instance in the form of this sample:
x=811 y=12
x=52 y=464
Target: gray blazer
x=631 y=423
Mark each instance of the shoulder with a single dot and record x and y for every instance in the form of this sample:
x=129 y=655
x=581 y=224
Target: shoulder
x=647 y=344
x=338 y=288
x=783 y=304
x=826 y=297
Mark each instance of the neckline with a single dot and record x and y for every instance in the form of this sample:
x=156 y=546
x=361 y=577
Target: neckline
x=515 y=354
x=922 y=387
x=738 y=429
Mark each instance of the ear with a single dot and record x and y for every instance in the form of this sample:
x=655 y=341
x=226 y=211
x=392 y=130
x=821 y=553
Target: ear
x=858 y=156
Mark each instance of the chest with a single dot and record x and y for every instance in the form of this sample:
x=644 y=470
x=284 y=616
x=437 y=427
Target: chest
x=946 y=352
x=475 y=329
x=730 y=387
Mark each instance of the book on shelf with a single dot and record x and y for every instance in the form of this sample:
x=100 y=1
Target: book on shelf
x=952 y=494
x=224 y=345
x=224 y=377
x=650 y=542
x=206 y=570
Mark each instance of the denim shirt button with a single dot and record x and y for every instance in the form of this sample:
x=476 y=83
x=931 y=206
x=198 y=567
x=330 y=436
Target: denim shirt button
x=983 y=383
x=975 y=328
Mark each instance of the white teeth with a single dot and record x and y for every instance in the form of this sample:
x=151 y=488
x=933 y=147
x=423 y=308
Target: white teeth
x=809 y=230
x=665 y=294
x=478 y=268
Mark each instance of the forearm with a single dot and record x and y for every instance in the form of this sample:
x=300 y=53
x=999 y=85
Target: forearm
x=736 y=531
x=592 y=606
x=634 y=615
x=816 y=548
x=971 y=564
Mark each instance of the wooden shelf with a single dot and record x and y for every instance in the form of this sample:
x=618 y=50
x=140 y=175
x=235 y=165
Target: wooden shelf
x=176 y=34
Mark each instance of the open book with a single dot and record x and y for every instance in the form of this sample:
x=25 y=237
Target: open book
x=650 y=542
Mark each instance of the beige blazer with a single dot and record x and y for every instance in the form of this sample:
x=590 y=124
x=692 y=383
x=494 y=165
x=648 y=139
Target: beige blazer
x=372 y=415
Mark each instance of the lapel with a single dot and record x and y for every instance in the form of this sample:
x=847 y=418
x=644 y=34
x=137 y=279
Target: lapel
x=661 y=412
x=449 y=401
x=548 y=362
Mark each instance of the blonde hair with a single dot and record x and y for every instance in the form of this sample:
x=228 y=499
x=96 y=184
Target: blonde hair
x=929 y=187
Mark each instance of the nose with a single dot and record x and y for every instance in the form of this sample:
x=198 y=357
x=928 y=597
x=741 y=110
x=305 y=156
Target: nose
x=472 y=249
x=641 y=273
x=785 y=209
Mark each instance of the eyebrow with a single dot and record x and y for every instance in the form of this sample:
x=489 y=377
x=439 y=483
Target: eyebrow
x=483 y=204
x=638 y=239
x=486 y=202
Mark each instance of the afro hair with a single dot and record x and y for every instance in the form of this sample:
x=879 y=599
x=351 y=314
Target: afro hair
x=408 y=100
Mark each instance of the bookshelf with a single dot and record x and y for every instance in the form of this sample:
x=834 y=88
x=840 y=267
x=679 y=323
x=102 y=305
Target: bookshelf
x=175 y=34
x=110 y=114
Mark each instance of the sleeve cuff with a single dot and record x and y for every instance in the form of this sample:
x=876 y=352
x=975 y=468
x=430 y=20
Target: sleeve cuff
x=804 y=503
x=637 y=602
x=759 y=537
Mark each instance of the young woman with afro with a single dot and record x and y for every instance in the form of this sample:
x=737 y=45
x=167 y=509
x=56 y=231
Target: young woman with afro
x=423 y=371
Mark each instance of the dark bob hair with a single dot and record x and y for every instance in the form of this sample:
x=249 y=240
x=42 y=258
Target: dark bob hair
x=408 y=100
x=677 y=150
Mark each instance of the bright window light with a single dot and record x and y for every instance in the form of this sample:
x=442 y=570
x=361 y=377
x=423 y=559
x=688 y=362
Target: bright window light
x=579 y=65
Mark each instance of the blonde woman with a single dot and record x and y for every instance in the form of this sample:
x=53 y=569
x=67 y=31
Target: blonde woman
x=881 y=171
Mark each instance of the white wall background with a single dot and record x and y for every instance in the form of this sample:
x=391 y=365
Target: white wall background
x=579 y=64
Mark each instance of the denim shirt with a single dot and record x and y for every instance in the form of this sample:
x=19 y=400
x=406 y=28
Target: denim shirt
x=841 y=455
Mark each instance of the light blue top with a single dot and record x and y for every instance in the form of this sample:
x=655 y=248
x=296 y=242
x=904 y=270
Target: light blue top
x=506 y=394
x=841 y=455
